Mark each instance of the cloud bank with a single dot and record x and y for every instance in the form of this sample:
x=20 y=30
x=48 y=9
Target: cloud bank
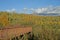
x=49 y=9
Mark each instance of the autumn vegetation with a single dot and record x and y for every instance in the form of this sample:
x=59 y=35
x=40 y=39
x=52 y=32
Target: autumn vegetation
x=44 y=27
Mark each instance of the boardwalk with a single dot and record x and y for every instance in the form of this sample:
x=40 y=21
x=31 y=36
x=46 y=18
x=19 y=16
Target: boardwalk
x=9 y=32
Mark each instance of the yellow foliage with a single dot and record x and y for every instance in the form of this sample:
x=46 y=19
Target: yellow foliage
x=4 y=19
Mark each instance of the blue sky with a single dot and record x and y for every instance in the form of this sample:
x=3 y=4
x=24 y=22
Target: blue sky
x=20 y=4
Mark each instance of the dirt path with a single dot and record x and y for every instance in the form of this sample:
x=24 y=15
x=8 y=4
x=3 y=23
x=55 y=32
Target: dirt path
x=8 y=33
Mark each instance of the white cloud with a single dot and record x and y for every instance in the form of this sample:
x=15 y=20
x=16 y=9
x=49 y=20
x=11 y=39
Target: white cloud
x=25 y=8
x=41 y=10
x=12 y=10
x=49 y=9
